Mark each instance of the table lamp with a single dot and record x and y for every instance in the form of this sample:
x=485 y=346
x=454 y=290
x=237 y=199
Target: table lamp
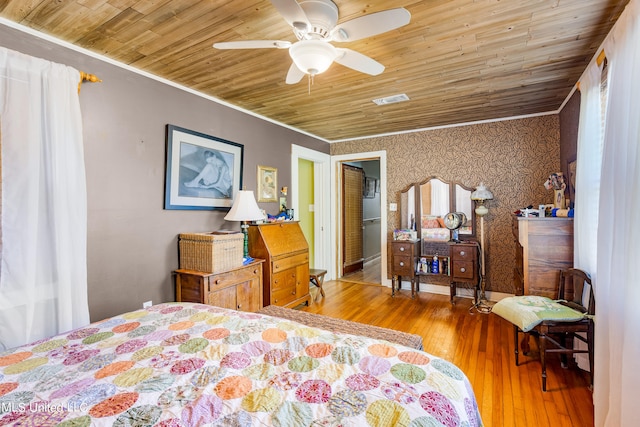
x=244 y=209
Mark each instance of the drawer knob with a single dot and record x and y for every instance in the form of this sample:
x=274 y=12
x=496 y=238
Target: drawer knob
x=401 y=264
x=217 y=281
x=239 y=306
x=462 y=270
x=401 y=249
x=255 y=271
x=293 y=292
x=461 y=253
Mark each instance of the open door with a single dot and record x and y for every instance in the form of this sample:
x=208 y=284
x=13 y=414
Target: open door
x=352 y=234
x=318 y=182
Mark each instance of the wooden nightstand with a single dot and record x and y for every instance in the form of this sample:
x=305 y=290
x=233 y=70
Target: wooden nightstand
x=239 y=288
x=464 y=267
x=403 y=258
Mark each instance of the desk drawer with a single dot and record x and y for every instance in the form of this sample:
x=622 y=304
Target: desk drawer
x=283 y=296
x=402 y=248
x=289 y=262
x=462 y=270
x=403 y=265
x=463 y=253
x=232 y=278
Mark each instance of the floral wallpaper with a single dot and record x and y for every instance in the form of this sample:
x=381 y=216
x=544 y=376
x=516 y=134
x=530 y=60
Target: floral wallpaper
x=512 y=158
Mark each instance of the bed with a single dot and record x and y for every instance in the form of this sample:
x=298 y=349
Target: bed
x=433 y=229
x=188 y=364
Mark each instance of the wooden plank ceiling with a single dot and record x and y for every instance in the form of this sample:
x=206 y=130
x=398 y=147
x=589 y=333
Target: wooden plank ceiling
x=458 y=61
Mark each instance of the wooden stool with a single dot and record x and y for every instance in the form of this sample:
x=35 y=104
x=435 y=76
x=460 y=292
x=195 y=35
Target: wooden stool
x=316 y=277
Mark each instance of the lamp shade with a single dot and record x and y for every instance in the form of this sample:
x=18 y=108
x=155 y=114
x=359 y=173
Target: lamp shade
x=482 y=193
x=312 y=56
x=244 y=208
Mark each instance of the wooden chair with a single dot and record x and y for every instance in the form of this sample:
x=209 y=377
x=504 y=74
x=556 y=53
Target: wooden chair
x=561 y=333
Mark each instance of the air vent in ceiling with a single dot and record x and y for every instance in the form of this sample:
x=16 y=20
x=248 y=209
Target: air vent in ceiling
x=391 y=99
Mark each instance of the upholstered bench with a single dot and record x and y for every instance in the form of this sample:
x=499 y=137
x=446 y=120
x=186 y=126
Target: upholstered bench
x=344 y=326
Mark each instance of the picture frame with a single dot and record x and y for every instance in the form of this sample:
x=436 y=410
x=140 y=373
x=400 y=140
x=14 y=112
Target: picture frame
x=571 y=170
x=202 y=172
x=267 y=184
x=369 y=187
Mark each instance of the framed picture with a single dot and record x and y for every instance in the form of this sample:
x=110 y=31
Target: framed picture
x=202 y=172
x=267 y=184
x=571 y=166
x=369 y=187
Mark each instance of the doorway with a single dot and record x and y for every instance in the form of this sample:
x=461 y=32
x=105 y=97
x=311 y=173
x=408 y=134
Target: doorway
x=311 y=203
x=379 y=224
x=352 y=237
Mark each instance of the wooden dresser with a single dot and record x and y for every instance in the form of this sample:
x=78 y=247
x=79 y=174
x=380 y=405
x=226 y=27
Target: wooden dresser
x=286 y=269
x=544 y=246
x=239 y=288
x=402 y=258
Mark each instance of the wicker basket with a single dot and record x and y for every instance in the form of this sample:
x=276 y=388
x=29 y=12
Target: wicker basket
x=210 y=253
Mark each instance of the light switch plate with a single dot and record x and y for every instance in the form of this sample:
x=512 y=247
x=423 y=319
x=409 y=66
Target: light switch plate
x=393 y=207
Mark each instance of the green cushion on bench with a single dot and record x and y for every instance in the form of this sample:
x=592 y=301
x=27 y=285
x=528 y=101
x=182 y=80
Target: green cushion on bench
x=527 y=311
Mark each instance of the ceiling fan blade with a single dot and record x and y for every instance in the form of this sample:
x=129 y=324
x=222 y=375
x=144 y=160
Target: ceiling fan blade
x=371 y=25
x=253 y=44
x=294 y=75
x=292 y=13
x=359 y=62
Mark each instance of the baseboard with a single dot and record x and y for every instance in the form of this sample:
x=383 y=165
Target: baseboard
x=372 y=258
x=445 y=290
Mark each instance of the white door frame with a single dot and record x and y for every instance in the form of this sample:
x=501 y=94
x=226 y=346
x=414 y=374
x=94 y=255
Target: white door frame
x=321 y=212
x=336 y=204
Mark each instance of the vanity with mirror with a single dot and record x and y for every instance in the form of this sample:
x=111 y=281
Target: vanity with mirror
x=448 y=251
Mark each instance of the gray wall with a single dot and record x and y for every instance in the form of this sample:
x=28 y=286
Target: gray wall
x=132 y=240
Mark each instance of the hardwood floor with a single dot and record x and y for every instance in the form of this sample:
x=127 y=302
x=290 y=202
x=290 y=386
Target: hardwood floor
x=369 y=274
x=480 y=344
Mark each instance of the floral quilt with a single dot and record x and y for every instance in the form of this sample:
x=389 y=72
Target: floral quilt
x=186 y=364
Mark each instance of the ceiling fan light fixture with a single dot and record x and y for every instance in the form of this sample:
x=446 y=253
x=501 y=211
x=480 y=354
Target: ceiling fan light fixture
x=312 y=56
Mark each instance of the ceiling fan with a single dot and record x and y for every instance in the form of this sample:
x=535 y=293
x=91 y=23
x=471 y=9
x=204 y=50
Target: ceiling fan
x=314 y=23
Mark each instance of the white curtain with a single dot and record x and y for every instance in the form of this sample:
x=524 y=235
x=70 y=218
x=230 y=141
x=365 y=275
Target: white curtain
x=439 y=198
x=43 y=276
x=588 y=161
x=617 y=335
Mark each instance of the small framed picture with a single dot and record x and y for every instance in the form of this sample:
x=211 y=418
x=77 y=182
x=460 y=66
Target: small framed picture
x=202 y=171
x=369 y=187
x=267 y=184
